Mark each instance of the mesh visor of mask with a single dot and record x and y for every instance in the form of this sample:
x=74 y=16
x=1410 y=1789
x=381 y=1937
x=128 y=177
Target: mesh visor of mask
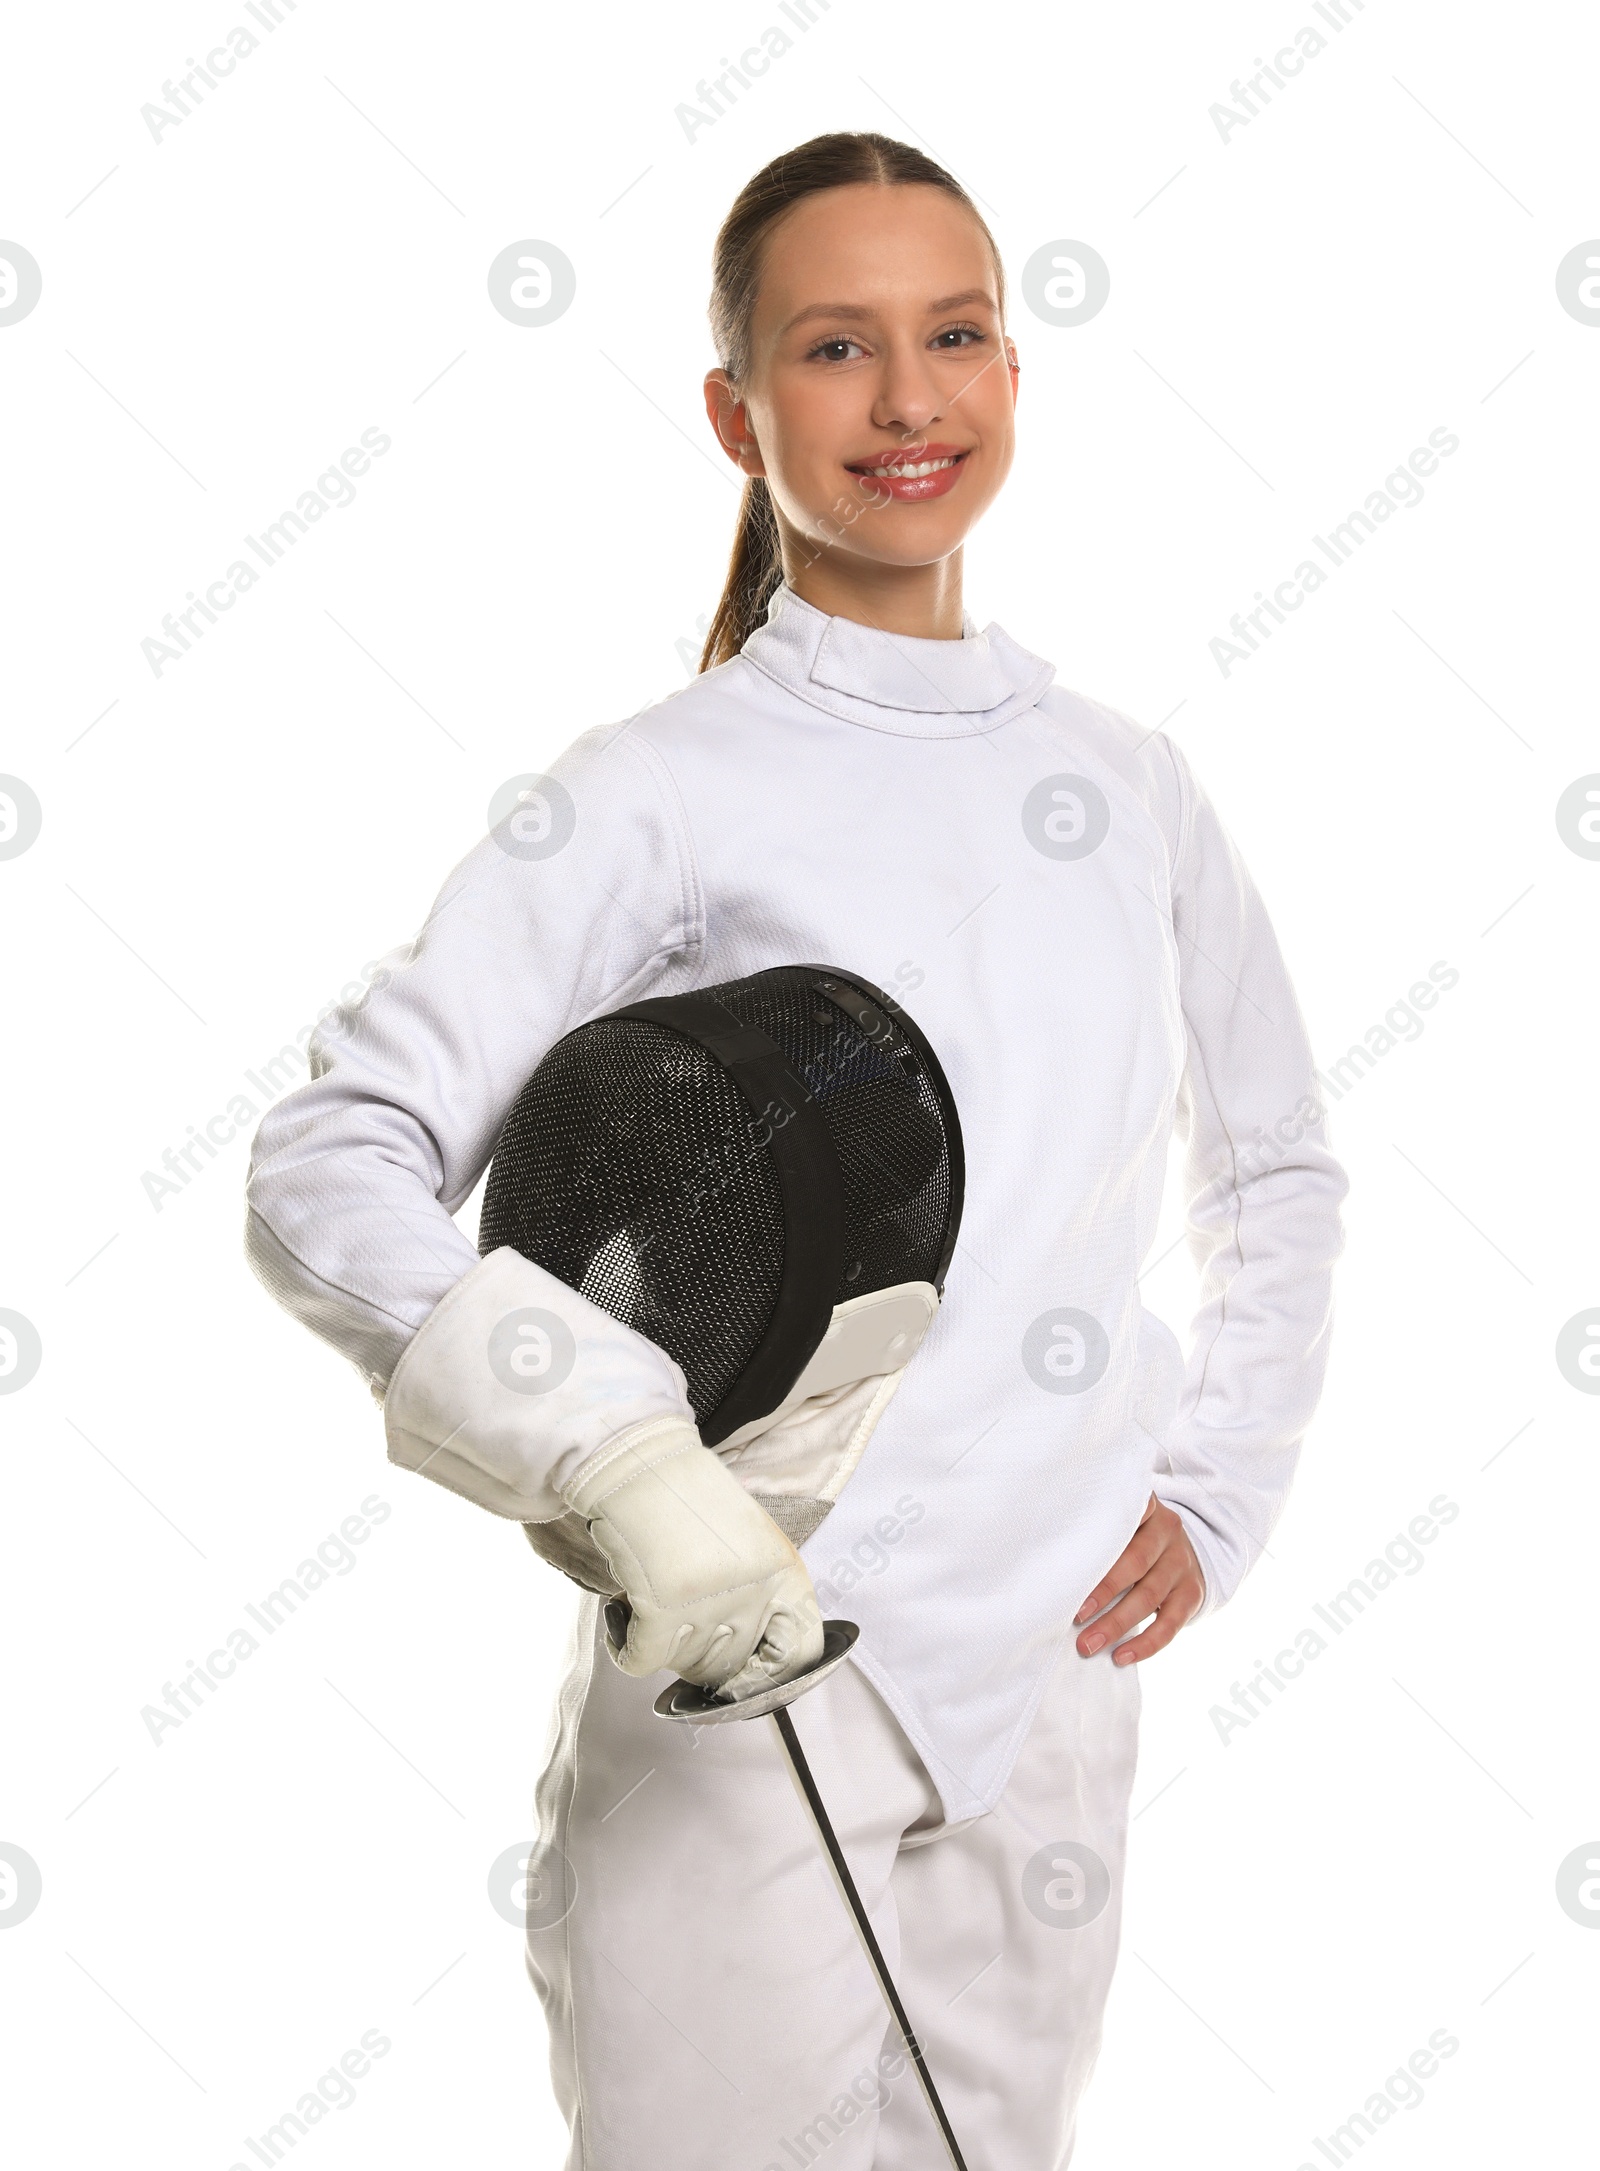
x=763 y=1177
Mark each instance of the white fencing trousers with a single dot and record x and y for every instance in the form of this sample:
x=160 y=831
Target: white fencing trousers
x=709 y=2004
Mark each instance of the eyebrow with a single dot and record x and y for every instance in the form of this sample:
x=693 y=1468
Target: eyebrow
x=856 y=311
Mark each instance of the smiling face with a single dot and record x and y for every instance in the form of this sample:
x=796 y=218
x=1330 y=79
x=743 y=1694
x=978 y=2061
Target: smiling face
x=879 y=393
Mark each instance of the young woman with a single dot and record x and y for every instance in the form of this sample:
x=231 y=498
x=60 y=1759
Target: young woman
x=860 y=776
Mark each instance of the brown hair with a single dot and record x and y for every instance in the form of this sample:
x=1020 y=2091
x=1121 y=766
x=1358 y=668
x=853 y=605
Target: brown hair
x=835 y=161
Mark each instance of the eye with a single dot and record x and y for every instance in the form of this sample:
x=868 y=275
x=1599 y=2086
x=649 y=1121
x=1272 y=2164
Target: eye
x=958 y=332
x=825 y=350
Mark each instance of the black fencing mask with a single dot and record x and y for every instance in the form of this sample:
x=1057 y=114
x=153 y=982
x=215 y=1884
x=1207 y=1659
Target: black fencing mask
x=763 y=1177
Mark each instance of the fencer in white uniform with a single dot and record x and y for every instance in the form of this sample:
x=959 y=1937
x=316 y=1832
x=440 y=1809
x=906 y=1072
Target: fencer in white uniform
x=1052 y=894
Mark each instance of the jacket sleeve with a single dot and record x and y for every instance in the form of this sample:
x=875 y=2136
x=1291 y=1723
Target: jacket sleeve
x=1264 y=1193
x=583 y=898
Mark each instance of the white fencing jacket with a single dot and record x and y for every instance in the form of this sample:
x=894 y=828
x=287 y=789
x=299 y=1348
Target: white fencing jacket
x=1051 y=894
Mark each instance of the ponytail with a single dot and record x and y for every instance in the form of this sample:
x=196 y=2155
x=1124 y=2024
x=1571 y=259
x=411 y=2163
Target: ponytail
x=755 y=570
x=755 y=567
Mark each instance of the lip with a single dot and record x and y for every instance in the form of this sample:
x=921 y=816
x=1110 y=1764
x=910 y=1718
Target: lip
x=914 y=488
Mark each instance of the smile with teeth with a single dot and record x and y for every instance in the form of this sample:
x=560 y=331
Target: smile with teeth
x=913 y=470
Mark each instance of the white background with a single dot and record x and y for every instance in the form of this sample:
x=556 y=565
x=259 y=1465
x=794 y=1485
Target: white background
x=1293 y=310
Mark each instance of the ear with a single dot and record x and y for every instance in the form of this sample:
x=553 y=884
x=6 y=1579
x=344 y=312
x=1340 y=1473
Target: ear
x=1014 y=364
x=729 y=418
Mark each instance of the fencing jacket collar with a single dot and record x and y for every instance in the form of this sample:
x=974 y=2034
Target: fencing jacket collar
x=894 y=681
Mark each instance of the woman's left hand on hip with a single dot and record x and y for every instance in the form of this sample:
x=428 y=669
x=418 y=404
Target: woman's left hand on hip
x=1157 y=1571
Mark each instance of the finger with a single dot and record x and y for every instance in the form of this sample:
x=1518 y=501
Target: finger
x=793 y=1641
x=765 y=1665
x=659 y=1638
x=716 y=1656
x=1092 y=1604
x=1131 y=1608
x=1179 y=1606
x=1170 y=1617
x=1137 y=1558
x=1110 y=1587
x=642 y=1650
x=790 y=1642
x=756 y=1674
x=1122 y=1573
x=1128 y=1613
x=1133 y=1601
x=617 y=1615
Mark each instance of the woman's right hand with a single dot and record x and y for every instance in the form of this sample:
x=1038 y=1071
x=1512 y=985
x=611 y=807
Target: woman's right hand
x=716 y=1590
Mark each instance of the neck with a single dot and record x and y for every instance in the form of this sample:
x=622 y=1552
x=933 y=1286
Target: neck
x=921 y=600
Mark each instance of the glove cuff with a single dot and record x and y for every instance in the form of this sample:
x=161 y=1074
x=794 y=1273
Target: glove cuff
x=641 y=1447
x=514 y=1382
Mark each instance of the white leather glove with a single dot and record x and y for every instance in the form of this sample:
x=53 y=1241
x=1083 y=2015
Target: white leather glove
x=717 y=1591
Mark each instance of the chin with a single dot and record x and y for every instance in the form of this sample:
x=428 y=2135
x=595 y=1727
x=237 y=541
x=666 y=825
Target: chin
x=926 y=553
x=908 y=542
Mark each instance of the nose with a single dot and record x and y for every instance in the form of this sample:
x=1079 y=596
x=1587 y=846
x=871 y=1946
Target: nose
x=909 y=395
